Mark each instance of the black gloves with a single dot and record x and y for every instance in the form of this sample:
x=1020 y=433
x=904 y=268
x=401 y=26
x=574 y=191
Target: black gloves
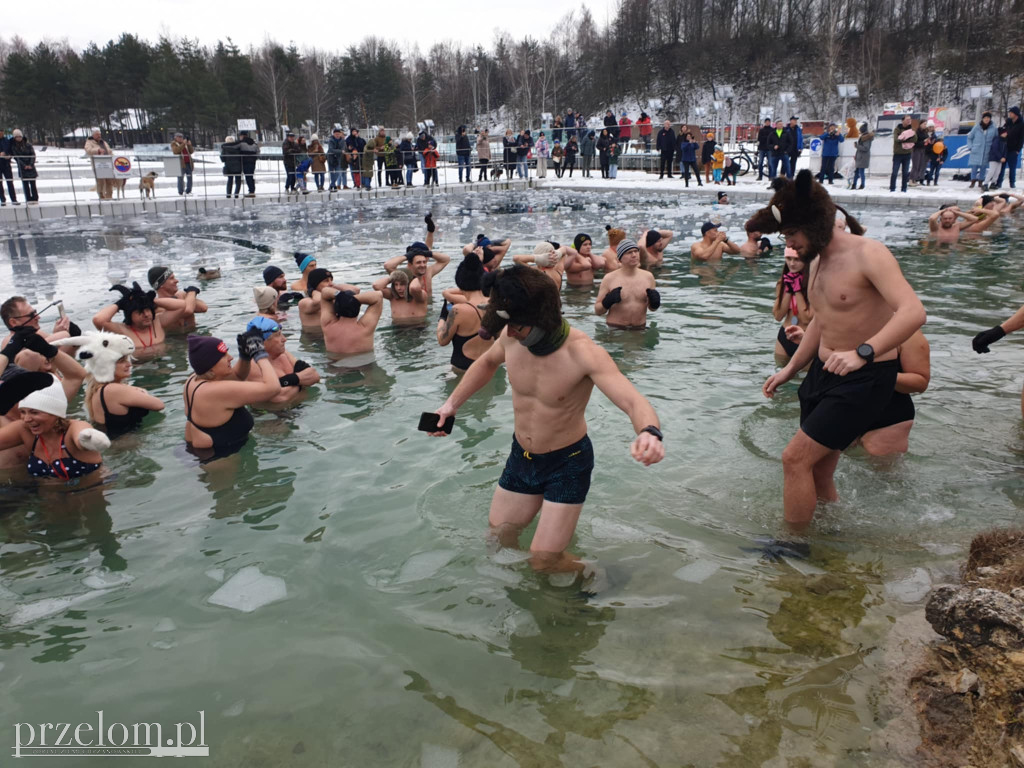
x=37 y=343
x=17 y=342
x=192 y=288
x=125 y=296
x=444 y=311
x=612 y=298
x=285 y=299
x=653 y=298
x=74 y=330
x=289 y=380
x=250 y=345
x=983 y=339
x=429 y=219
x=300 y=366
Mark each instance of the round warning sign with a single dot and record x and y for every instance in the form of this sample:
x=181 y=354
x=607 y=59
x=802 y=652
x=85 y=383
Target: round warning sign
x=122 y=165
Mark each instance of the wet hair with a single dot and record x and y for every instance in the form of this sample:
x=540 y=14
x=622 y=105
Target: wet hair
x=802 y=204
x=986 y=199
x=469 y=275
x=523 y=296
x=8 y=308
x=401 y=276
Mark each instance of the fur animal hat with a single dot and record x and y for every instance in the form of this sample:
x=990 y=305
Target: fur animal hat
x=522 y=296
x=99 y=352
x=801 y=204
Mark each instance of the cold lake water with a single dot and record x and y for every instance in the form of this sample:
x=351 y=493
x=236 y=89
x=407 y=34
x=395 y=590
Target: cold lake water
x=328 y=595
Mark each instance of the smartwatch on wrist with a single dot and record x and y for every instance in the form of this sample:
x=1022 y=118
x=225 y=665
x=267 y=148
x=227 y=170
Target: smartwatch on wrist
x=653 y=430
x=866 y=352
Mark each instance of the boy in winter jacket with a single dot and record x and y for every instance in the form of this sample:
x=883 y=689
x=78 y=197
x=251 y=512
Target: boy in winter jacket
x=996 y=158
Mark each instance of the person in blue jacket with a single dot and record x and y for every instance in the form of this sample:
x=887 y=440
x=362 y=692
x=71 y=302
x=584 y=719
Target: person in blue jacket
x=688 y=158
x=830 y=152
x=979 y=141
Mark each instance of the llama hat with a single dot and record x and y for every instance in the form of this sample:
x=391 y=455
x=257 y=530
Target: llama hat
x=99 y=352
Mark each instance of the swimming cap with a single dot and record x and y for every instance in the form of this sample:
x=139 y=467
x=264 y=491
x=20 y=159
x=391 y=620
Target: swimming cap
x=264 y=325
x=303 y=260
x=266 y=297
x=580 y=239
x=652 y=237
x=204 y=352
x=50 y=399
x=158 y=276
x=271 y=273
x=625 y=246
x=346 y=304
x=314 y=279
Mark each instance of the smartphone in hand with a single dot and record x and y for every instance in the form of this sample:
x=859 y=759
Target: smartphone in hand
x=430 y=422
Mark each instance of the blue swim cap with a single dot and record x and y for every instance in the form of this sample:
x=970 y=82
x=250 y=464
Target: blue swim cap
x=264 y=325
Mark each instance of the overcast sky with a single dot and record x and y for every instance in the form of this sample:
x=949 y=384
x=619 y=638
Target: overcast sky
x=249 y=23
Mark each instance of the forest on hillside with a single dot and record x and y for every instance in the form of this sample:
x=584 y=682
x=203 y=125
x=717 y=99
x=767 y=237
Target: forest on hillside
x=679 y=52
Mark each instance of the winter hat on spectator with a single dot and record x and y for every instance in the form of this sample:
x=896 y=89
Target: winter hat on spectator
x=1016 y=111
x=266 y=297
x=271 y=273
x=50 y=399
x=95 y=129
x=315 y=137
x=16 y=133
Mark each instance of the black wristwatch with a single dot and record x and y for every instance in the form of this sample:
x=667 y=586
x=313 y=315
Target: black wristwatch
x=653 y=430
x=866 y=352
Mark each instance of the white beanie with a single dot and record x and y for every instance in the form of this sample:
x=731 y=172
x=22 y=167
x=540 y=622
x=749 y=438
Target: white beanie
x=51 y=400
x=16 y=133
x=314 y=137
x=544 y=254
x=95 y=129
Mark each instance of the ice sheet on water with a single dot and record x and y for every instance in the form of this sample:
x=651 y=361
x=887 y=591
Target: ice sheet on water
x=911 y=588
x=423 y=565
x=248 y=590
x=50 y=606
x=102 y=578
x=697 y=572
x=615 y=531
x=165 y=625
x=235 y=709
x=436 y=756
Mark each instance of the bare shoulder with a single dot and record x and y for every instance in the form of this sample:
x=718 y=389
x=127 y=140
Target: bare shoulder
x=585 y=351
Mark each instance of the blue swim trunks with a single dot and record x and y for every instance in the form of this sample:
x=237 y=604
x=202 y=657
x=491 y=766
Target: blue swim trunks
x=561 y=476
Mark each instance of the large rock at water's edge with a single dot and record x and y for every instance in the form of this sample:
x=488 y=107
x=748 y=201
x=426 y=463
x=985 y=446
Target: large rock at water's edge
x=978 y=616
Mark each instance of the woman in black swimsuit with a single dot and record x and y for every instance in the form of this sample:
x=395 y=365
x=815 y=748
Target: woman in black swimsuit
x=117 y=405
x=215 y=397
x=459 y=324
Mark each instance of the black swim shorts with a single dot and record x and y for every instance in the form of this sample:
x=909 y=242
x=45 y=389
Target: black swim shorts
x=561 y=476
x=836 y=410
x=899 y=409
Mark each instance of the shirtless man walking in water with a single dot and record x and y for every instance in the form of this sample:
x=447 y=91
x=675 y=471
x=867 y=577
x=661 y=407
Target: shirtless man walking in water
x=627 y=293
x=552 y=370
x=863 y=310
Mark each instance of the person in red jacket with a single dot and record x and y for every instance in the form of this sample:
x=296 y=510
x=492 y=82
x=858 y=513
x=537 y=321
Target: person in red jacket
x=625 y=131
x=644 y=125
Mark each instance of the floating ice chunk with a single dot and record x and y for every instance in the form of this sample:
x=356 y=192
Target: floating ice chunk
x=101 y=578
x=424 y=565
x=248 y=590
x=566 y=579
x=435 y=756
x=50 y=606
x=235 y=709
x=697 y=572
x=163 y=645
x=106 y=665
x=165 y=625
x=910 y=589
x=508 y=556
x=609 y=529
x=217 y=574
